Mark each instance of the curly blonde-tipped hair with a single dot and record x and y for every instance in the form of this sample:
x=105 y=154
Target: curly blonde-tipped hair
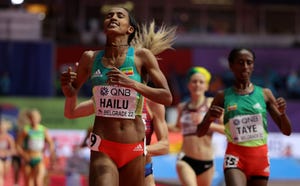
x=155 y=40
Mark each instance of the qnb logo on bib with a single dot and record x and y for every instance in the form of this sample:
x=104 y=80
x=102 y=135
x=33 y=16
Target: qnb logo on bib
x=246 y=127
x=104 y=91
x=115 y=101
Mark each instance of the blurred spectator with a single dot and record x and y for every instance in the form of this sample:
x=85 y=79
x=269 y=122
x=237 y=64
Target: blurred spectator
x=288 y=151
x=293 y=84
x=76 y=167
x=85 y=150
x=4 y=83
x=271 y=79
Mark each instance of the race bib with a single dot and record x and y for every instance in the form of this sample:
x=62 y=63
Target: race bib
x=115 y=101
x=36 y=144
x=246 y=128
x=230 y=161
x=94 y=142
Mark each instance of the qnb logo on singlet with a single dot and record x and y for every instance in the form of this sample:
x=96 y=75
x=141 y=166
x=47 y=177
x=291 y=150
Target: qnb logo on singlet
x=246 y=127
x=115 y=101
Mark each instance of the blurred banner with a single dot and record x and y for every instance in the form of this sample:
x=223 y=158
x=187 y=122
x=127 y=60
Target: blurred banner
x=66 y=140
x=20 y=25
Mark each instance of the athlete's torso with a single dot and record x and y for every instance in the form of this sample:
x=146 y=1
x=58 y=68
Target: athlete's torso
x=4 y=143
x=116 y=101
x=4 y=146
x=35 y=139
x=245 y=117
x=190 y=118
x=99 y=71
x=193 y=146
x=118 y=109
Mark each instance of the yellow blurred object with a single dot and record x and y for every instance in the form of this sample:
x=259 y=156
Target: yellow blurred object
x=36 y=8
x=175 y=142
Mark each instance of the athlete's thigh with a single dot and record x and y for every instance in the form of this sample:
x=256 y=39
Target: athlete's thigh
x=28 y=175
x=27 y=170
x=205 y=178
x=39 y=173
x=235 y=177
x=133 y=173
x=7 y=165
x=2 y=167
x=185 y=173
x=103 y=171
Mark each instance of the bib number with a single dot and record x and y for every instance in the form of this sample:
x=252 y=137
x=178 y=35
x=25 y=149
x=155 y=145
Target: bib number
x=94 y=142
x=230 y=161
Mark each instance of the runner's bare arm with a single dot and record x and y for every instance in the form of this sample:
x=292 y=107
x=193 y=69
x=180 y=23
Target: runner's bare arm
x=277 y=110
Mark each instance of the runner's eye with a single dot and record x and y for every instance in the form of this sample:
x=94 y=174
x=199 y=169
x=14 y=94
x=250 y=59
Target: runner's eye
x=121 y=15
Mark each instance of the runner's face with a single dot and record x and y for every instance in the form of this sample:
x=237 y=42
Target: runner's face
x=35 y=118
x=243 y=66
x=117 y=22
x=197 y=84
